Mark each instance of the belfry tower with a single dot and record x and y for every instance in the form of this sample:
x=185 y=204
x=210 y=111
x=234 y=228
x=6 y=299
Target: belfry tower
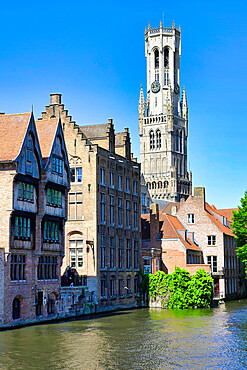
x=163 y=119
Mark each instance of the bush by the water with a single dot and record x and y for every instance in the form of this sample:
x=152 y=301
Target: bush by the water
x=180 y=290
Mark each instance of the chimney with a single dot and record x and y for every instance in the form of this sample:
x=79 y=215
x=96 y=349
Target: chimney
x=199 y=193
x=55 y=98
x=154 y=221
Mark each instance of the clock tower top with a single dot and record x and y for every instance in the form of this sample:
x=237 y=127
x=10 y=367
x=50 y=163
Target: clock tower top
x=163 y=51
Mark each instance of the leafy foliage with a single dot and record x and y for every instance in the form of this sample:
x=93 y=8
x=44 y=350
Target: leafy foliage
x=179 y=290
x=239 y=226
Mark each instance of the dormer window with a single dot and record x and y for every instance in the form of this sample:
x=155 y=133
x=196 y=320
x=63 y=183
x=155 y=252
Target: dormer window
x=190 y=218
x=57 y=165
x=25 y=191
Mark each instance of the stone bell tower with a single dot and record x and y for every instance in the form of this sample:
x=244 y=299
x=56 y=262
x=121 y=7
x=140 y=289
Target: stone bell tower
x=163 y=119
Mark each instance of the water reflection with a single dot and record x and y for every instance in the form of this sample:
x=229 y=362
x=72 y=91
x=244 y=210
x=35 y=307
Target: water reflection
x=140 y=339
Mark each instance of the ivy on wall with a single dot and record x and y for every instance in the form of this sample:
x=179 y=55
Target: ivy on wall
x=180 y=290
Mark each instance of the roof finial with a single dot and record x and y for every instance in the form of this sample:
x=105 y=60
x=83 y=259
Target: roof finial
x=145 y=29
x=32 y=109
x=173 y=24
x=149 y=26
x=179 y=28
x=160 y=24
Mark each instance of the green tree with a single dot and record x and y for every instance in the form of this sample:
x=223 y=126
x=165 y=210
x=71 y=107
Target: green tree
x=239 y=227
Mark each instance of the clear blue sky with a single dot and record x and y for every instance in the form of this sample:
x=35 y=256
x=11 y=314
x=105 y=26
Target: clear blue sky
x=93 y=53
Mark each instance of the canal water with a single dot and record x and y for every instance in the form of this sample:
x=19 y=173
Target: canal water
x=138 y=339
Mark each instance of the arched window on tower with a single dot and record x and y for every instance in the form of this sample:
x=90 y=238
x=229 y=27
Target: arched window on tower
x=153 y=185
x=166 y=57
x=151 y=140
x=180 y=141
x=156 y=58
x=160 y=185
x=176 y=141
x=158 y=139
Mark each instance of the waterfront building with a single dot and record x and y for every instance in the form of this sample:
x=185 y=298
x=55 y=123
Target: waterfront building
x=166 y=243
x=34 y=180
x=1 y=285
x=212 y=230
x=103 y=229
x=163 y=119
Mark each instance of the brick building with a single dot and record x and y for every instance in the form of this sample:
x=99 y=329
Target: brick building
x=166 y=243
x=212 y=229
x=1 y=285
x=103 y=227
x=34 y=179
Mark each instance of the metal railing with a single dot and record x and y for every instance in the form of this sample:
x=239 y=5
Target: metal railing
x=76 y=280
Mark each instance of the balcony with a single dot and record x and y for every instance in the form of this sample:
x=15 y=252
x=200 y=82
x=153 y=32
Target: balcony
x=76 y=280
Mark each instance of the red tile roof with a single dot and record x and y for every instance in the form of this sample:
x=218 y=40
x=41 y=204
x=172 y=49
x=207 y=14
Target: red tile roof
x=225 y=229
x=169 y=230
x=13 y=128
x=226 y=212
x=46 y=130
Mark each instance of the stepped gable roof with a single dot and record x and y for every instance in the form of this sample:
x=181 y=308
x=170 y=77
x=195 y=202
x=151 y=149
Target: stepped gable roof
x=13 y=128
x=119 y=138
x=225 y=229
x=95 y=131
x=145 y=226
x=227 y=212
x=169 y=230
x=46 y=130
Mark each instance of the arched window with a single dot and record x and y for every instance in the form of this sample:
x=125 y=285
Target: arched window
x=16 y=311
x=176 y=140
x=153 y=185
x=158 y=139
x=148 y=185
x=180 y=141
x=151 y=140
x=166 y=57
x=156 y=58
x=165 y=184
x=159 y=185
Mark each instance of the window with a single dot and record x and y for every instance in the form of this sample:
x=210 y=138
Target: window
x=158 y=139
x=22 y=227
x=75 y=206
x=127 y=185
x=47 y=268
x=111 y=209
x=135 y=254
x=57 y=165
x=120 y=221
x=127 y=213
x=135 y=215
x=103 y=288
x=112 y=287
x=112 y=253
x=120 y=253
x=166 y=78
x=120 y=182
x=76 y=253
x=54 y=197
x=16 y=310
x=211 y=239
x=25 y=191
x=103 y=252
x=190 y=218
x=120 y=287
x=17 y=267
x=143 y=199
x=128 y=254
x=212 y=260
x=128 y=286
x=156 y=58
x=51 y=231
x=166 y=57
x=148 y=202
x=29 y=161
x=102 y=207
x=102 y=176
x=111 y=180
x=147 y=266
x=151 y=140
x=135 y=187
x=76 y=174
x=156 y=79
x=136 y=285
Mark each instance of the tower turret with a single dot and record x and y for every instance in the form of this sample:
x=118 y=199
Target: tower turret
x=184 y=109
x=141 y=109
